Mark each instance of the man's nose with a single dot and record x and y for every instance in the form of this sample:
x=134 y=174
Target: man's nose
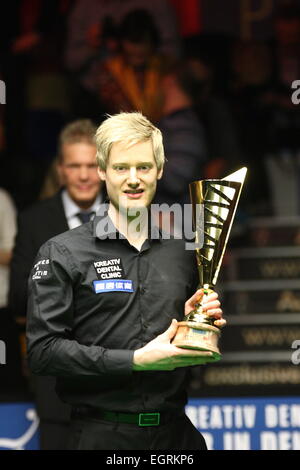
x=83 y=173
x=133 y=178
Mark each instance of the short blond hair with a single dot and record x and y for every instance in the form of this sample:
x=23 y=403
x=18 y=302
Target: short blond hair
x=130 y=129
x=82 y=130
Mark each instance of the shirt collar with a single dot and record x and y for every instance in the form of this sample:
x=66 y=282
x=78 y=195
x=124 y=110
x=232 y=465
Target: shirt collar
x=72 y=209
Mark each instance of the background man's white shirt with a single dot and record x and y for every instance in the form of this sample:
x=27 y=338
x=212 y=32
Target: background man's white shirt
x=71 y=209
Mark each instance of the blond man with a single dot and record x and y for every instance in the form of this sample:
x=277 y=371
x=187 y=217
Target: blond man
x=116 y=296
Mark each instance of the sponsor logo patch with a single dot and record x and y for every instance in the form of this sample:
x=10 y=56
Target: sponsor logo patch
x=109 y=269
x=40 y=271
x=113 y=285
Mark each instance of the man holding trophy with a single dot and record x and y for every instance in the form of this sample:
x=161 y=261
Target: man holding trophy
x=106 y=299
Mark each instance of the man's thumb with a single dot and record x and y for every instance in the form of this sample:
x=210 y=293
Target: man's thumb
x=171 y=331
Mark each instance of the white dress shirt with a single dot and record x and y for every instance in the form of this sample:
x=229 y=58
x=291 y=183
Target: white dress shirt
x=71 y=209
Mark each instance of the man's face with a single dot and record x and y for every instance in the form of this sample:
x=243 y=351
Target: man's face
x=78 y=172
x=136 y=54
x=131 y=176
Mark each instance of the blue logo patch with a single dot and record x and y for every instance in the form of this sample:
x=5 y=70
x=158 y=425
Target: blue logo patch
x=113 y=285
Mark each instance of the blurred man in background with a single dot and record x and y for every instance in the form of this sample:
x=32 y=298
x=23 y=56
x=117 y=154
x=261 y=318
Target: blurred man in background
x=73 y=205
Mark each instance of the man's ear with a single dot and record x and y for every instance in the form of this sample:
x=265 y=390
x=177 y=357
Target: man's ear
x=102 y=174
x=160 y=173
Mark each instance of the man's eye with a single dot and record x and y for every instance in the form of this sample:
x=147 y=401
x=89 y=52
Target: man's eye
x=143 y=168
x=72 y=166
x=120 y=168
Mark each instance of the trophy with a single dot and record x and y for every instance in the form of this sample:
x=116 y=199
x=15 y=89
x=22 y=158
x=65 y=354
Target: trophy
x=218 y=199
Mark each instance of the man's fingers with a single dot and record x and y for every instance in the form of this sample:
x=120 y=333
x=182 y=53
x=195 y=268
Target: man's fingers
x=214 y=312
x=196 y=297
x=210 y=304
x=169 y=333
x=190 y=303
x=210 y=297
x=193 y=353
x=220 y=323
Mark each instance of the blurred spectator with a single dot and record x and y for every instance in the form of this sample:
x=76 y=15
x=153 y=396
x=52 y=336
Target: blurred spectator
x=130 y=80
x=7 y=236
x=79 y=198
x=85 y=29
x=77 y=172
x=11 y=378
x=52 y=183
x=183 y=137
x=37 y=91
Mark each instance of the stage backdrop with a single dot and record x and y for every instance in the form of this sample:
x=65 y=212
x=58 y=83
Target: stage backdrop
x=252 y=423
x=18 y=426
x=271 y=423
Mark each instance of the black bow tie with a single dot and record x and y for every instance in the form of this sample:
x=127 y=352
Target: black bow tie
x=85 y=216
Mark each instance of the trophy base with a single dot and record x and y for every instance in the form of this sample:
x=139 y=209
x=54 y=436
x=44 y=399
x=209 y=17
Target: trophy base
x=199 y=336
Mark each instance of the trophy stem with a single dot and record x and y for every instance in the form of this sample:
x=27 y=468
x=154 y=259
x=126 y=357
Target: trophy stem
x=197 y=314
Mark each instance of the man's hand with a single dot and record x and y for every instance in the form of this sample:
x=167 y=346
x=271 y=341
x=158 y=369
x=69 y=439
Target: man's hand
x=160 y=354
x=210 y=306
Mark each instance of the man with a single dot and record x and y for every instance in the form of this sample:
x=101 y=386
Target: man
x=131 y=79
x=69 y=208
x=85 y=29
x=103 y=306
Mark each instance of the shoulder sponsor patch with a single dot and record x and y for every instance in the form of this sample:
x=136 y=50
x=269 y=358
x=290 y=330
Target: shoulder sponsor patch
x=113 y=285
x=111 y=268
x=41 y=269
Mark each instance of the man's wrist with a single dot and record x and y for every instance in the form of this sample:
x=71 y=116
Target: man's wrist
x=136 y=362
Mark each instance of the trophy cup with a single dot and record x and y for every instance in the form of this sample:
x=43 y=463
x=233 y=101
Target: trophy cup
x=218 y=199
